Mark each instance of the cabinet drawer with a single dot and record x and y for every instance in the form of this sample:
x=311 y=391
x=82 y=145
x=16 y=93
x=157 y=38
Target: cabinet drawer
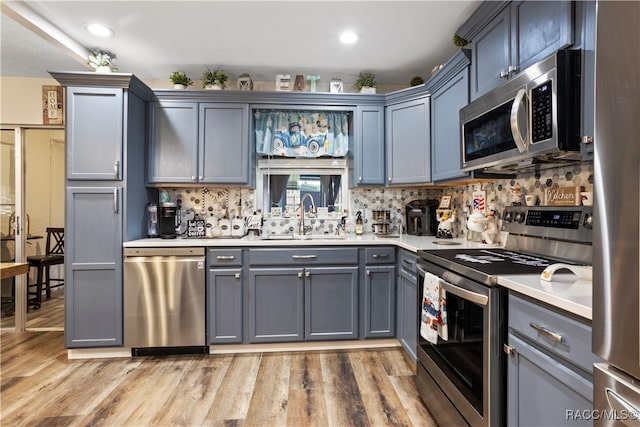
x=224 y=257
x=303 y=256
x=573 y=339
x=381 y=255
x=408 y=262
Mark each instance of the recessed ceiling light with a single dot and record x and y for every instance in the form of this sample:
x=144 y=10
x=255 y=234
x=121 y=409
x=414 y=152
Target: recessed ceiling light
x=98 y=29
x=348 y=37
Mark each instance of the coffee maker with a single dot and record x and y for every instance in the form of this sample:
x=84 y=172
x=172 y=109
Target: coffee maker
x=167 y=220
x=421 y=217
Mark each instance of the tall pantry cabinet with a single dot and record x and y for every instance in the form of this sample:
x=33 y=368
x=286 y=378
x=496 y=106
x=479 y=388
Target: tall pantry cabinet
x=104 y=201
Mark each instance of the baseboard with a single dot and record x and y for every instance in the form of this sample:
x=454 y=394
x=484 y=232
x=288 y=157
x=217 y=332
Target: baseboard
x=303 y=346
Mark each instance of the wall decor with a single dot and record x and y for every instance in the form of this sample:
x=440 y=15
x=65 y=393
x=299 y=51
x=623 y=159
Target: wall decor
x=244 y=82
x=336 y=86
x=282 y=81
x=52 y=105
x=299 y=83
x=313 y=80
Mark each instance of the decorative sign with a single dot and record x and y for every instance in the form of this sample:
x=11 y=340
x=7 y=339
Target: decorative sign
x=479 y=201
x=196 y=228
x=52 y=105
x=313 y=80
x=282 y=81
x=445 y=202
x=563 y=196
x=299 y=83
x=336 y=86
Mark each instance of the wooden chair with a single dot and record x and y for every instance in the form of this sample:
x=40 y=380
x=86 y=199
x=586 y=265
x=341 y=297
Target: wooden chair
x=54 y=255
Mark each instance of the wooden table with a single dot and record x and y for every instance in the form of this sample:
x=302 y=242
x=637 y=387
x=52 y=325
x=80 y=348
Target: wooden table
x=11 y=269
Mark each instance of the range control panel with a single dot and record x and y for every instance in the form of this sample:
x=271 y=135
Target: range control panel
x=573 y=223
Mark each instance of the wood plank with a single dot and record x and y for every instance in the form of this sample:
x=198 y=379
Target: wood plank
x=414 y=407
x=12 y=269
x=269 y=402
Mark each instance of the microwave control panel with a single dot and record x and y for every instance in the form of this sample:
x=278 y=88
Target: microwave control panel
x=541 y=112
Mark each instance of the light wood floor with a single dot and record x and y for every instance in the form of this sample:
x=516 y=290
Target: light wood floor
x=39 y=386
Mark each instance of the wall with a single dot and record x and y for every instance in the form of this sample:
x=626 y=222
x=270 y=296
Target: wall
x=21 y=100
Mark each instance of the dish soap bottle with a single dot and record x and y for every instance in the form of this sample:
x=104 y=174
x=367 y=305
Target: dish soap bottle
x=359 y=223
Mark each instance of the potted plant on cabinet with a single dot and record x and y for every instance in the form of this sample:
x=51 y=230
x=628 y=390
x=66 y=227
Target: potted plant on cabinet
x=102 y=61
x=366 y=83
x=180 y=80
x=214 y=79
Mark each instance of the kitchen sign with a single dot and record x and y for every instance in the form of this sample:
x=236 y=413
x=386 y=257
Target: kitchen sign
x=563 y=196
x=52 y=105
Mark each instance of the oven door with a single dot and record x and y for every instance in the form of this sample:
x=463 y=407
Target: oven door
x=468 y=368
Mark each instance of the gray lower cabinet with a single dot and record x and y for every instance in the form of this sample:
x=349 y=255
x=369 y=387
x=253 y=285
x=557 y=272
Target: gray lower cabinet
x=298 y=294
x=379 y=293
x=93 y=267
x=407 y=307
x=225 y=296
x=408 y=142
x=549 y=367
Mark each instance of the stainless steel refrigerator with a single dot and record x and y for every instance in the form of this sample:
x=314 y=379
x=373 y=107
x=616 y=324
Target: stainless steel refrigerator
x=616 y=260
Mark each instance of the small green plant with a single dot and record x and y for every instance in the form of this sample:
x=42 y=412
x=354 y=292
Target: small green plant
x=180 y=78
x=417 y=80
x=102 y=58
x=217 y=77
x=459 y=41
x=365 y=79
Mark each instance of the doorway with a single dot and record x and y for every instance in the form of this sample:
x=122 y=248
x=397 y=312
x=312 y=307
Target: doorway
x=39 y=180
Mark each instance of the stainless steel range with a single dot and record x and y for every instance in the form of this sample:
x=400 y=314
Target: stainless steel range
x=462 y=378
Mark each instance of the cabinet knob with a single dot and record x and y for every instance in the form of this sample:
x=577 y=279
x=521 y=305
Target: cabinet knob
x=360 y=178
x=389 y=179
x=237 y=275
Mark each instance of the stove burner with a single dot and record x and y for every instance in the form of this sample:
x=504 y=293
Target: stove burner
x=487 y=256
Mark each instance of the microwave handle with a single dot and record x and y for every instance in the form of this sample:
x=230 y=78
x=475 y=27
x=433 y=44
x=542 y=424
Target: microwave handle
x=462 y=293
x=518 y=104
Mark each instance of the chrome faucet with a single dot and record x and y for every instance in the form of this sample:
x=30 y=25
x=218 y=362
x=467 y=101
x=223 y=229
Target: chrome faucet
x=303 y=230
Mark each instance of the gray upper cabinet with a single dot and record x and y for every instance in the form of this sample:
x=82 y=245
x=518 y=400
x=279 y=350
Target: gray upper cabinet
x=449 y=93
x=224 y=151
x=408 y=142
x=94 y=133
x=369 y=152
x=586 y=19
x=521 y=34
x=93 y=271
x=173 y=142
x=205 y=143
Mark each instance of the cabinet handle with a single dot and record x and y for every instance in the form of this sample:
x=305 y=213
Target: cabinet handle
x=544 y=331
x=300 y=274
x=360 y=178
x=237 y=275
x=586 y=139
x=368 y=272
x=408 y=262
x=389 y=179
x=304 y=256
x=200 y=177
x=509 y=349
x=512 y=69
x=376 y=256
x=225 y=257
x=504 y=74
x=307 y=274
x=115 y=201
x=193 y=178
x=116 y=168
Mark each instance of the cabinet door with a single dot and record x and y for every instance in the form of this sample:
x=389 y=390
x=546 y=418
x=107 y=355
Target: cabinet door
x=93 y=267
x=94 y=133
x=331 y=303
x=369 y=146
x=276 y=304
x=541 y=390
x=446 y=144
x=587 y=17
x=407 y=318
x=408 y=147
x=491 y=55
x=539 y=29
x=173 y=142
x=224 y=153
x=224 y=305
x=379 y=301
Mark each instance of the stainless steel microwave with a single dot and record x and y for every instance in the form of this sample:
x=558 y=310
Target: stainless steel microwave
x=531 y=120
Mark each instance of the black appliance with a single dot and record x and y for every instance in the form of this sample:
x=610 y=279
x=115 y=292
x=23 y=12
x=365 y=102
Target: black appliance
x=532 y=120
x=421 y=217
x=464 y=377
x=167 y=220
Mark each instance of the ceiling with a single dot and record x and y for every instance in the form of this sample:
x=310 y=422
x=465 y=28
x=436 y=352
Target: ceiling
x=398 y=39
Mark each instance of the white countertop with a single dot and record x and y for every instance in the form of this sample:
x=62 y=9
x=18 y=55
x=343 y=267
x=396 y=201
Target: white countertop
x=565 y=292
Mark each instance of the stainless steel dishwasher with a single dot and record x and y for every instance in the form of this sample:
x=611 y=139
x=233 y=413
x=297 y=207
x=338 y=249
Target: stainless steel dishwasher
x=164 y=298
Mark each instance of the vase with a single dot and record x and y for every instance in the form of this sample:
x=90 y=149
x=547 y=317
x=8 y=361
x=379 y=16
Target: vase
x=103 y=69
x=367 y=89
x=179 y=86
x=213 y=87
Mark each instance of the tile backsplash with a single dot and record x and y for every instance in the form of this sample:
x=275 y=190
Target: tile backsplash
x=499 y=193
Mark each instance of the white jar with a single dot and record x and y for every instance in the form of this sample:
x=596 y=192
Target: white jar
x=237 y=227
x=225 y=227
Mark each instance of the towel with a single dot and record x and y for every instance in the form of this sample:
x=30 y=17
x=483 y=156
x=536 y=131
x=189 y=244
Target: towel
x=433 y=319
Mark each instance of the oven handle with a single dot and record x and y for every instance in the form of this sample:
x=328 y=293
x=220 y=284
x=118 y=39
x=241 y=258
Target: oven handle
x=456 y=290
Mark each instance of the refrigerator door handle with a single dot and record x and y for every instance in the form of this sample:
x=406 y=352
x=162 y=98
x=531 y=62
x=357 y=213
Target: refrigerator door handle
x=621 y=406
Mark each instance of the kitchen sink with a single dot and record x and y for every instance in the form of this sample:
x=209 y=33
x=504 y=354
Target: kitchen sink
x=302 y=237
